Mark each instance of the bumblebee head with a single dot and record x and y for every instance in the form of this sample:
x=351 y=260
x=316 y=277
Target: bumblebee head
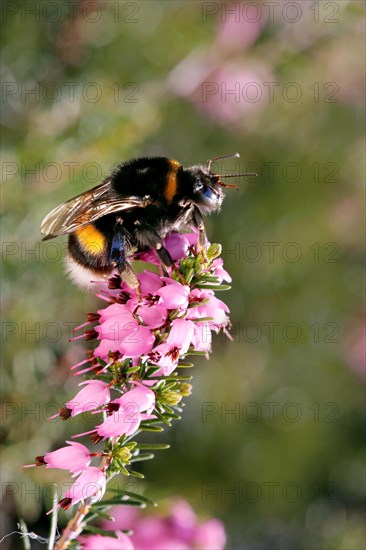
x=208 y=187
x=207 y=191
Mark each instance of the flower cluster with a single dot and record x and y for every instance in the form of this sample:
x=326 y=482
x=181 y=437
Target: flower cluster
x=143 y=337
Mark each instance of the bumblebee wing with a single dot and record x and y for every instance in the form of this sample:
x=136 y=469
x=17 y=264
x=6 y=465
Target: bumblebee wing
x=86 y=208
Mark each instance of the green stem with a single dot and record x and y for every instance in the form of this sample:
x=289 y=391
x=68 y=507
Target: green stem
x=53 y=526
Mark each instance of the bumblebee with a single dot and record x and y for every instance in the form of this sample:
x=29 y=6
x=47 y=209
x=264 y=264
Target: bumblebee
x=132 y=211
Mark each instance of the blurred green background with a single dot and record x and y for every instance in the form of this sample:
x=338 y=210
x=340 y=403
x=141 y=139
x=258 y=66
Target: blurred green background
x=89 y=84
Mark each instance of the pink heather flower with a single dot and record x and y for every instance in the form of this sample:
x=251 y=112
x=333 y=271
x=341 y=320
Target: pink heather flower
x=94 y=394
x=141 y=399
x=220 y=272
x=177 y=245
x=153 y=315
x=90 y=484
x=180 y=335
x=75 y=458
x=98 y=542
x=212 y=307
x=150 y=283
x=127 y=418
x=121 y=422
x=166 y=355
x=202 y=338
x=114 y=310
x=192 y=238
x=173 y=295
x=121 y=332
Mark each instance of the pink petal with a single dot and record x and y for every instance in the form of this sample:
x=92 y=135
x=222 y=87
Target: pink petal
x=220 y=272
x=90 y=483
x=114 y=310
x=173 y=295
x=202 y=337
x=177 y=245
x=94 y=394
x=114 y=326
x=150 y=283
x=136 y=341
x=181 y=334
x=141 y=399
x=75 y=457
x=153 y=316
x=119 y=423
x=104 y=348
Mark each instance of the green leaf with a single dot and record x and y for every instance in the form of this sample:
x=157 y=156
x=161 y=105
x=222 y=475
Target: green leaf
x=153 y=446
x=213 y=287
x=136 y=496
x=99 y=531
x=185 y=378
x=195 y=352
x=142 y=456
x=162 y=418
x=137 y=474
x=121 y=467
x=152 y=428
x=119 y=502
x=133 y=369
x=100 y=513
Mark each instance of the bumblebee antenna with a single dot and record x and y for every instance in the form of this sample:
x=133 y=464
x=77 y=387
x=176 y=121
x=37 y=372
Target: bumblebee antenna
x=231 y=156
x=227 y=185
x=236 y=175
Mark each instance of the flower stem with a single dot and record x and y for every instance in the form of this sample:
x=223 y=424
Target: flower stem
x=73 y=528
x=53 y=526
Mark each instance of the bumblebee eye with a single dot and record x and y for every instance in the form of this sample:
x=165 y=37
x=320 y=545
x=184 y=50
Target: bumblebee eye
x=209 y=193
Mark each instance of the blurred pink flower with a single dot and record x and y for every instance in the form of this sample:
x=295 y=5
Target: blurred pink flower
x=98 y=542
x=177 y=529
x=233 y=91
x=355 y=348
x=241 y=28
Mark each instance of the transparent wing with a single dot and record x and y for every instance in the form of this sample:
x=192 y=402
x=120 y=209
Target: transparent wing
x=86 y=208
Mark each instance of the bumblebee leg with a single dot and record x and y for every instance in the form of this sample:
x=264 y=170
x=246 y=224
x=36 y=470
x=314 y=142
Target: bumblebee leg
x=198 y=222
x=118 y=258
x=129 y=275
